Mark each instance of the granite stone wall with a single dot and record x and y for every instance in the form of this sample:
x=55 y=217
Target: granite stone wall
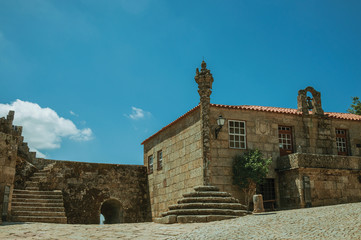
x=8 y=157
x=333 y=179
x=182 y=162
x=86 y=186
x=311 y=135
x=10 y=139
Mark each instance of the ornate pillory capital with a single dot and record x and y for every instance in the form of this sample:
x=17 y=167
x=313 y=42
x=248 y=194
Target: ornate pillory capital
x=204 y=80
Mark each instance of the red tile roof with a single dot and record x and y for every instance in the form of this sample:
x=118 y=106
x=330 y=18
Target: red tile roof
x=344 y=116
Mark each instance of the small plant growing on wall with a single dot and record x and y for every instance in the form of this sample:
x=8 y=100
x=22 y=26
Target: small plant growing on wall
x=249 y=169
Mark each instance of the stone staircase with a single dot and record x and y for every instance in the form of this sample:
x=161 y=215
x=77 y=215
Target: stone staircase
x=206 y=204
x=33 y=205
x=37 y=178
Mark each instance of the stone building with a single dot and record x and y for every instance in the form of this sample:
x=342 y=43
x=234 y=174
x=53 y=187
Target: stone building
x=316 y=155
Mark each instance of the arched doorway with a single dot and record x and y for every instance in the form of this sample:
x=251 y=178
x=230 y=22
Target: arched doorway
x=112 y=211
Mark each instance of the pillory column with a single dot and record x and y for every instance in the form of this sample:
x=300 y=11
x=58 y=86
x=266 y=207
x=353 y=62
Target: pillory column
x=204 y=80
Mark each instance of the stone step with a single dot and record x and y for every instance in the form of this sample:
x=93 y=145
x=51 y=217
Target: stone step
x=207 y=194
x=44 y=219
x=36 y=204
x=206 y=188
x=31 y=184
x=32 y=200
x=37 y=196
x=37 y=208
x=38 y=213
x=204 y=218
x=208 y=200
x=40 y=174
x=234 y=206
x=20 y=191
x=32 y=188
x=205 y=212
x=37 y=178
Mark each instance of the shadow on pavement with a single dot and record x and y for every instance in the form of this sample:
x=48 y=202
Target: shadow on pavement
x=262 y=214
x=11 y=223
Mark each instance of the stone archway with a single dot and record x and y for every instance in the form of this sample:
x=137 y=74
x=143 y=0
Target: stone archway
x=112 y=211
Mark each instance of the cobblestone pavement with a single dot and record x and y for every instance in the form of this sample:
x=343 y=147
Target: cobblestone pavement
x=332 y=222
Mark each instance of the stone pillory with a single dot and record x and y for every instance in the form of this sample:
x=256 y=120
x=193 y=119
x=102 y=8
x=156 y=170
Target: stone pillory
x=204 y=80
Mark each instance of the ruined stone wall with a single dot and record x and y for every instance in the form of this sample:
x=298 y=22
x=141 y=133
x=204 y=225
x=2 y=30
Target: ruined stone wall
x=24 y=170
x=182 y=162
x=10 y=139
x=86 y=186
x=8 y=157
x=333 y=179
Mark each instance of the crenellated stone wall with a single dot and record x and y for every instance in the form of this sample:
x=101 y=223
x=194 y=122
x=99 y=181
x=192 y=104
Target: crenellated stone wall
x=10 y=138
x=8 y=158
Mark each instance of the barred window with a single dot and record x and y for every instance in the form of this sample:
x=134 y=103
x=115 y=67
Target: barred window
x=150 y=164
x=237 y=134
x=160 y=160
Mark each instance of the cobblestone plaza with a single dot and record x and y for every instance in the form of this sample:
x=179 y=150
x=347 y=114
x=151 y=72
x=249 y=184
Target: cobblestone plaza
x=331 y=222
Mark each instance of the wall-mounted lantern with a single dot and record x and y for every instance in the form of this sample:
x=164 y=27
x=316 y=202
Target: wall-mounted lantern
x=220 y=123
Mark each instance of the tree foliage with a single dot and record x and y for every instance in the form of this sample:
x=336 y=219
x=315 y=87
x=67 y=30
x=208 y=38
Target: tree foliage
x=249 y=170
x=250 y=167
x=355 y=106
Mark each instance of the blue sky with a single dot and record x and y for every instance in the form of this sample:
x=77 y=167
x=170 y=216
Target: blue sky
x=93 y=79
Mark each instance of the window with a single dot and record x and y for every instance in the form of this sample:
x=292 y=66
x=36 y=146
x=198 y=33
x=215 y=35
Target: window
x=285 y=140
x=237 y=134
x=150 y=164
x=341 y=142
x=160 y=160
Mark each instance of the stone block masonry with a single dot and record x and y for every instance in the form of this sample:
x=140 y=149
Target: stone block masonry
x=10 y=137
x=333 y=179
x=86 y=186
x=182 y=162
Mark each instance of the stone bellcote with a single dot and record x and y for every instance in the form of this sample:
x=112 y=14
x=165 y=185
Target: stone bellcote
x=306 y=104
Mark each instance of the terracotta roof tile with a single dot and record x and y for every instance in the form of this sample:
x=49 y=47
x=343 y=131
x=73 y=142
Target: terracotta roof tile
x=260 y=108
x=345 y=116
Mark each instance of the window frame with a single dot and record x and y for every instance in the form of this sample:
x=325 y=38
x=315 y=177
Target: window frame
x=342 y=136
x=150 y=166
x=244 y=135
x=285 y=151
x=160 y=160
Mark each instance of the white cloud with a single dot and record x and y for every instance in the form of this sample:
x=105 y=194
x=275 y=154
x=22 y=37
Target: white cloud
x=42 y=127
x=73 y=113
x=138 y=113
